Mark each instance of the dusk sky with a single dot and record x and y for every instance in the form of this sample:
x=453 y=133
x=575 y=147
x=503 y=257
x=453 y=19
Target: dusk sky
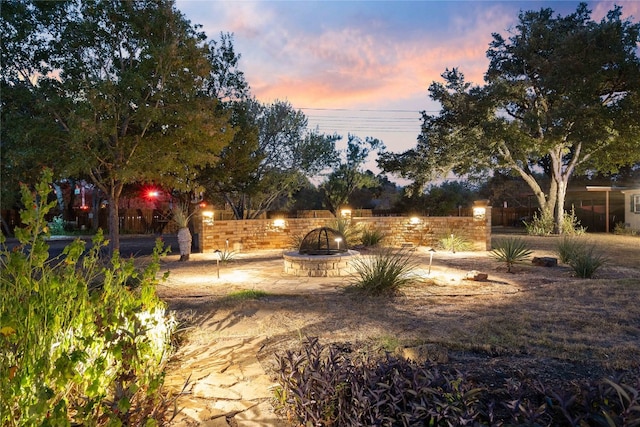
x=363 y=67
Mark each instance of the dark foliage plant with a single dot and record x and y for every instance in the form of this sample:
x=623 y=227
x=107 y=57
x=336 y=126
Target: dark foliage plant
x=327 y=386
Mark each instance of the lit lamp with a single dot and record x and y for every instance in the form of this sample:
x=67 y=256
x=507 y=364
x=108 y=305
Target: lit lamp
x=278 y=222
x=431 y=252
x=345 y=213
x=208 y=217
x=218 y=257
x=479 y=212
x=414 y=220
x=338 y=240
x=480 y=209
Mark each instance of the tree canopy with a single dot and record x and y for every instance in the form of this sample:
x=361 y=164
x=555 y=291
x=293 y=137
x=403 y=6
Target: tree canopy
x=347 y=175
x=270 y=158
x=120 y=92
x=561 y=96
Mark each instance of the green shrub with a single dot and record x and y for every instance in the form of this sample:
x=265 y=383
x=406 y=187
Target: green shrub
x=571 y=225
x=70 y=354
x=622 y=229
x=569 y=247
x=540 y=225
x=453 y=243
x=246 y=294
x=510 y=251
x=543 y=225
x=371 y=237
x=586 y=262
x=333 y=386
x=382 y=272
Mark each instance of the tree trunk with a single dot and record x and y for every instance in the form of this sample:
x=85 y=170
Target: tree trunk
x=114 y=224
x=559 y=217
x=184 y=243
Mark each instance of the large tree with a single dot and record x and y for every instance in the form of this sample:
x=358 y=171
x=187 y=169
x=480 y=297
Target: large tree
x=120 y=90
x=561 y=96
x=272 y=155
x=348 y=175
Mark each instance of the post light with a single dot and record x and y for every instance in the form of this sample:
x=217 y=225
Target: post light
x=208 y=217
x=431 y=251
x=479 y=212
x=218 y=257
x=338 y=240
x=480 y=209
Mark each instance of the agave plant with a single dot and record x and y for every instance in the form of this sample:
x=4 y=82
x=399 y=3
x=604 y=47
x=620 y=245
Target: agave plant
x=510 y=251
x=383 y=272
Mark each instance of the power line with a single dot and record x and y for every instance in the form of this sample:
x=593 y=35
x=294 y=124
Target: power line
x=361 y=110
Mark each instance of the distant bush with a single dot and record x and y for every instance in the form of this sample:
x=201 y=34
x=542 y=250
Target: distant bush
x=324 y=386
x=543 y=225
x=371 y=237
x=452 y=242
x=621 y=229
x=540 y=225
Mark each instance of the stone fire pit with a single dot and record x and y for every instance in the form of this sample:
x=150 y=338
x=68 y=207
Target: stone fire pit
x=322 y=253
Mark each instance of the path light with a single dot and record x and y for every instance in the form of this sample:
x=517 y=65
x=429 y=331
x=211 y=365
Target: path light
x=218 y=257
x=431 y=252
x=338 y=240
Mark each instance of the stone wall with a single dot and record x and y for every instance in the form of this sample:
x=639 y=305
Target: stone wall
x=246 y=235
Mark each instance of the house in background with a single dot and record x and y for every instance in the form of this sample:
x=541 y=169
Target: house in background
x=632 y=207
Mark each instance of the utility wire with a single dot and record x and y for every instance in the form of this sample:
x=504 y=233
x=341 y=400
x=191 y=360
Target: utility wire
x=372 y=121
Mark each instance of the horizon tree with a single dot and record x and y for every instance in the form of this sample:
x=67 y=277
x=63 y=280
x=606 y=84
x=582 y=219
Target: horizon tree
x=271 y=157
x=561 y=96
x=348 y=175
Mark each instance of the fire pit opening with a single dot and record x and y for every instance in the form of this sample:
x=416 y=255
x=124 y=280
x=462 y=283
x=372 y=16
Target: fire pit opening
x=323 y=241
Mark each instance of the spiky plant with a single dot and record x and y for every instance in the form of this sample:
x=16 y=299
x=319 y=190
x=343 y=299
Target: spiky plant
x=510 y=251
x=585 y=263
x=384 y=272
x=568 y=247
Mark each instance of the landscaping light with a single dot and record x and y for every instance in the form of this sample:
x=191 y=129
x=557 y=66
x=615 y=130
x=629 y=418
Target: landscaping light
x=345 y=213
x=218 y=258
x=480 y=209
x=279 y=222
x=338 y=240
x=208 y=217
x=431 y=251
x=479 y=212
x=414 y=220
x=153 y=194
